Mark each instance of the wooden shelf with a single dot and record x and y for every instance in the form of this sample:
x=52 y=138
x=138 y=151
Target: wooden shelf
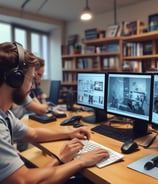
x=99 y=58
x=142 y=37
x=141 y=57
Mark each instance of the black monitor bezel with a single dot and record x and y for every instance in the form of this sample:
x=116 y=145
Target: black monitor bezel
x=129 y=116
x=153 y=123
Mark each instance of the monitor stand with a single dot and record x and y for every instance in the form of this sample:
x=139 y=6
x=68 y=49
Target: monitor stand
x=98 y=117
x=154 y=126
x=140 y=128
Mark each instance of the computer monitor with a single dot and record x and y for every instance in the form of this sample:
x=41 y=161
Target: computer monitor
x=91 y=92
x=154 y=119
x=128 y=95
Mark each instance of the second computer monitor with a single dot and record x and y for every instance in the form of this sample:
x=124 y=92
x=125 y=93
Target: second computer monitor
x=129 y=95
x=154 y=119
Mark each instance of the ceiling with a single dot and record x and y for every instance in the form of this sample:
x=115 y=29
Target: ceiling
x=62 y=10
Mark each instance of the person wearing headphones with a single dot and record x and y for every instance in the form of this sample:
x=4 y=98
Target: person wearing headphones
x=33 y=102
x=17 y=70
x=37 y=93
x=36 y=100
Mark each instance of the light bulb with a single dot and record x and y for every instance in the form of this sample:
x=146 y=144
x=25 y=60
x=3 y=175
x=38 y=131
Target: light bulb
x=86 y=15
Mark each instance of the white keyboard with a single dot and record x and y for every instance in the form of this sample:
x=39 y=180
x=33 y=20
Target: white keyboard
x=91 y=145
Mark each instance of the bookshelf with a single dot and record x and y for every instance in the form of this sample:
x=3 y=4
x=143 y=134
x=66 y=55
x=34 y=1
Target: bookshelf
x=141 y=51
x=98 y=55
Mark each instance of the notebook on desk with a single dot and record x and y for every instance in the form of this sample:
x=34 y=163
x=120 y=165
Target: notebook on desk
x=45 y=118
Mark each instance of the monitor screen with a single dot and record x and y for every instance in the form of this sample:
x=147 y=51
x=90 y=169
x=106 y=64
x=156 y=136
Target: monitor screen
x=154 y=119
x=91 y=92
x=128 y=95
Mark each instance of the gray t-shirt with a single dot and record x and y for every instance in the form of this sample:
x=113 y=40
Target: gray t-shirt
x=10 y=132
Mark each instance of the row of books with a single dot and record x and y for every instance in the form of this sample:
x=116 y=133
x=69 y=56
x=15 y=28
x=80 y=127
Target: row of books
x=69 y=77
x=85 y=63
x=110 y=62
x=110 y=47
x=68 y=65
x=137 y=49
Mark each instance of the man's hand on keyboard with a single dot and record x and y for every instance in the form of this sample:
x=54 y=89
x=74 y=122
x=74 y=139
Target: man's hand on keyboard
x=80 y=133
x=91 y=158
x=70 y=149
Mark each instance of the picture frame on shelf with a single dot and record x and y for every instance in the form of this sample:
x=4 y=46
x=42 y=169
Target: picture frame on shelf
x=112 y=31
x=153 y=22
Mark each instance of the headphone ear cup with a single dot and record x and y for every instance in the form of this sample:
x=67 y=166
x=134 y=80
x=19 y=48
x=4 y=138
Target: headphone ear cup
x=15 y=78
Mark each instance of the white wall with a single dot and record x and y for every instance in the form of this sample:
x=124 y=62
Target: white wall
x=55 y=72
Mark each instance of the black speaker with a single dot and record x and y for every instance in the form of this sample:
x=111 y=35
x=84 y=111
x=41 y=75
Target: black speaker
x=15 y=77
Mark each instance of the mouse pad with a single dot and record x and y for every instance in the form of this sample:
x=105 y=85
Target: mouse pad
x=139 y=166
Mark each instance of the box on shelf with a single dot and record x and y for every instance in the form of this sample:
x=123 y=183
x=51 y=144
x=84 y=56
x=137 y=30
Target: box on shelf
x=91 y=34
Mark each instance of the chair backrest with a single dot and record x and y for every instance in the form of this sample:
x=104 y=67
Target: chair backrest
x=54 y=91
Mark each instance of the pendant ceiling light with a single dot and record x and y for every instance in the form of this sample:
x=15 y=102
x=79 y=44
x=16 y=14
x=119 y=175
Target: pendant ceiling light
x=86 y=14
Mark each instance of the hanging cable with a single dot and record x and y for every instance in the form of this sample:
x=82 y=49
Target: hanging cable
x=24 y=4
x=42 y=5
x=115 y=12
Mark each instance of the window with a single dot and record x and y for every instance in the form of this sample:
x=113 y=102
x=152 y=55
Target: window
x=20 y=36
x=39 y=46
x=34 y=40
x=5 y=32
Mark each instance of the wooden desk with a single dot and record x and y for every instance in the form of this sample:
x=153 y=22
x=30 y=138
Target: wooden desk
x=117 y=173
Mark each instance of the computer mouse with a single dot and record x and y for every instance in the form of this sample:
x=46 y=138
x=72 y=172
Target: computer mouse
x=129 y=147
x=77 y=124
x=71 y=120
x=148 y=165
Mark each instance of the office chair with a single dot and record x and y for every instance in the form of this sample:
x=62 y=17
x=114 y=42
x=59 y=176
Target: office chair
x=54 y=92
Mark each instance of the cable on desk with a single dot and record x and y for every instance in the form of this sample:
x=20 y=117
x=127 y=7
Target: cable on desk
x=149 y=142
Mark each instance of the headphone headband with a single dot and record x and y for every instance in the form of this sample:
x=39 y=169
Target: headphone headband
x=15 y=76
x=20 y=55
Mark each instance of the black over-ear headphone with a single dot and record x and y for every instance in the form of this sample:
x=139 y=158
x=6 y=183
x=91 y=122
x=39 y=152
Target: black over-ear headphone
x=15 y=76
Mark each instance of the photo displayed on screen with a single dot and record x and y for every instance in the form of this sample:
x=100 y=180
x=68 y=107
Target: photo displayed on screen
x=129 y=95
x=155 y=100
x=91 y=89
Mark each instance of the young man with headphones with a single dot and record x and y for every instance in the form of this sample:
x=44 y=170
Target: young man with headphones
x=33 y=102
x=17 y=70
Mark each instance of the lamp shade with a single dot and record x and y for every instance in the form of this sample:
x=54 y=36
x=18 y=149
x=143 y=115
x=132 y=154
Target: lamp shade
x=86 y=14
